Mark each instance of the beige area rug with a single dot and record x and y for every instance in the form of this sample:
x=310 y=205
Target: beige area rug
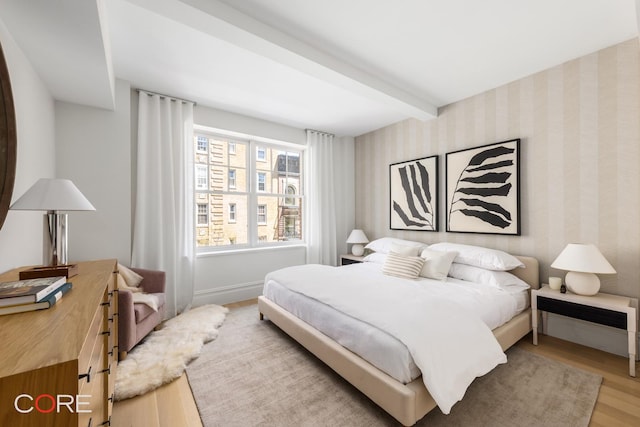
x=163 y=355
x=255 y=375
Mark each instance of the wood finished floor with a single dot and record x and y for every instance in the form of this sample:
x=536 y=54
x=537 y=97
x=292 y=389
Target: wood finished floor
x=618 y=403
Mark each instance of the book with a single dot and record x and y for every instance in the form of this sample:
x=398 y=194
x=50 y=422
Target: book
x=46 y=302
x=28 y=291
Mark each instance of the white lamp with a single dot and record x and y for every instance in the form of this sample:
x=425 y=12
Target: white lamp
x=582 y=261
x=358 y=238
x=53 y=196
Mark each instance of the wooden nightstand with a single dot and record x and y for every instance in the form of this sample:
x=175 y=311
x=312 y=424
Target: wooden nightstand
x=605 y=309
x=350 y=259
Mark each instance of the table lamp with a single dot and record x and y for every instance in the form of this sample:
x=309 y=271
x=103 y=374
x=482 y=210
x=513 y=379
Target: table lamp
x=583 y=262
x=53 y=196
x=358 y=238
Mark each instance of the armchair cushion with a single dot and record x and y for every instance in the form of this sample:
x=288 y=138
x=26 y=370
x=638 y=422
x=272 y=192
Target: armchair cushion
x=142 y=311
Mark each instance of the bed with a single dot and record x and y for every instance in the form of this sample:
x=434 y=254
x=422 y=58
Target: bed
x=402 y=394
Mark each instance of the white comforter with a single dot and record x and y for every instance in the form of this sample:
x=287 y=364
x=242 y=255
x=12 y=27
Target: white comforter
x=450 y=345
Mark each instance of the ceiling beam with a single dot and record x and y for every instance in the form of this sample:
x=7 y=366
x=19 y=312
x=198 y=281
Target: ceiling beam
x=221 y=21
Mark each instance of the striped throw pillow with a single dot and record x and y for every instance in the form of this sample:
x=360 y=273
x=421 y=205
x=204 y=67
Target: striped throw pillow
x=407 y=267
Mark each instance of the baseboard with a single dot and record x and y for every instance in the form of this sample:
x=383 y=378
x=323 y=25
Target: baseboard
x=228 y=294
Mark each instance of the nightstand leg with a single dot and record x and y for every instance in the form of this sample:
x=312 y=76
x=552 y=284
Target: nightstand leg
x=632 y=353
x=534 y=324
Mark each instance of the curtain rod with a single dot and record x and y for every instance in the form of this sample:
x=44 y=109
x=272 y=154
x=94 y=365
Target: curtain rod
x=161 y=95
x=319 y=131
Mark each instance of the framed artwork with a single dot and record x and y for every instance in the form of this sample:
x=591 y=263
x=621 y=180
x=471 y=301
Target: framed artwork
x=483 y=189
x=413 y=203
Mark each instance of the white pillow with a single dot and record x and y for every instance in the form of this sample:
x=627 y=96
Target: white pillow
x=490 y=259
x=404 y=250
x=437 y=264
x=376 y=257
x=132 y=278
x=497 y=279
x=407 y=267
x=383 y=245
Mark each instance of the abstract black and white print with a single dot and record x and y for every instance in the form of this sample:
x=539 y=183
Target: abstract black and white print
x=483 y=189
x=414 y=194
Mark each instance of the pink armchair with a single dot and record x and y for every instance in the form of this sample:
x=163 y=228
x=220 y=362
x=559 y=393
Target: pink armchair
x=135 y=321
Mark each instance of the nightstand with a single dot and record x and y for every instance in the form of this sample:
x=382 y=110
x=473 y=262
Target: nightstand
x=350 y=259
x=605 y=309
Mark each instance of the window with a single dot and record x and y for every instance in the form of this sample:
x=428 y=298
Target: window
x=232 y=212
x=202 y=214
x=261 y=154
x=232 y=178
x=290 y=201
x=262 y=214
x=201 y=177
x=202 y=144
x=251 y=192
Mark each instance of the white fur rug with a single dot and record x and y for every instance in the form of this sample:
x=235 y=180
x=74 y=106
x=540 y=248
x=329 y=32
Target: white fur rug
x=163 y=355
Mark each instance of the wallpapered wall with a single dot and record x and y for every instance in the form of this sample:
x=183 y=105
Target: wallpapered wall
x=579 y=124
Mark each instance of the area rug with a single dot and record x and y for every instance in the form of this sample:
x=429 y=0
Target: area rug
x=255 y=375
x=164 y=354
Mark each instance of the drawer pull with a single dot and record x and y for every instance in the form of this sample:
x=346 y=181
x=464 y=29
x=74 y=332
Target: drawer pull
x=107 y=333
x=107 y=422
x=110 y=353
x=87 y=375
x=107 y=371
x=110 y=319
x=90 y=422
x=110 y=294
x=112 y=397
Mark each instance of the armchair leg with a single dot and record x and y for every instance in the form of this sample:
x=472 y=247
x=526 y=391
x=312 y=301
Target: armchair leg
x=122 y=355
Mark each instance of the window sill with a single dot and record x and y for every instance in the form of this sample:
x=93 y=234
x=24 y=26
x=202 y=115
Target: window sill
x=221 y=252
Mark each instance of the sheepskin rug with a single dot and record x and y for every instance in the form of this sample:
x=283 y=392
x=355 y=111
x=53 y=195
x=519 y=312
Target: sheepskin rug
x=163 y=355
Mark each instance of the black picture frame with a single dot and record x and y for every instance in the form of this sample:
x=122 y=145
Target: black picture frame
x=483 y=189
x=413 y=195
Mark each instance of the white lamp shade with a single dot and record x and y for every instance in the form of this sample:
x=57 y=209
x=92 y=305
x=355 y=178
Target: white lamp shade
x=357 y=236
x=53 y=195
x=583 y=258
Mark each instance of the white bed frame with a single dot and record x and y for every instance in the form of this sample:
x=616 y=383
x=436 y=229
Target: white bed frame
x=407 y=403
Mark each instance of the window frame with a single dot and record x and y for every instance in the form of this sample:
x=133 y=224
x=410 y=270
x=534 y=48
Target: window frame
x=250 y=191
x=205 y=213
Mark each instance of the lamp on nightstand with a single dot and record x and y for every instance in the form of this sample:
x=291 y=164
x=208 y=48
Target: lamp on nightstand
x=358 y=238
x=583 y=262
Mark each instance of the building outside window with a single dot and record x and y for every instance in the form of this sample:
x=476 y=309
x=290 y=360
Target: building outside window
x=202 y=144
x=262 y=214
x=261 y=154
x=201 y=177
x=258 y=185
x=232 y=178
x=232 y=212
x=202 y=214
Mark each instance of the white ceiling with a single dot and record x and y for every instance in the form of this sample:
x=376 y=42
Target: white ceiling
x=346 y=67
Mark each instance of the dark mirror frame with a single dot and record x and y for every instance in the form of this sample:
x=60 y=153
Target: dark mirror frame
x=8 y=139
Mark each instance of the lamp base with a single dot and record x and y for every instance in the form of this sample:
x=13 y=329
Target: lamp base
x=582 y=283
x=55 y=239
x=357 y=250
x=58 y=270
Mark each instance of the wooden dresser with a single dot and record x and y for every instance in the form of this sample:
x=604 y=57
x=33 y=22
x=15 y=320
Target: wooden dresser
x=58 y=365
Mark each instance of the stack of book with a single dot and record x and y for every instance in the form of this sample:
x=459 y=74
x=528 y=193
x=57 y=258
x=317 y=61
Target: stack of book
x=32 y=294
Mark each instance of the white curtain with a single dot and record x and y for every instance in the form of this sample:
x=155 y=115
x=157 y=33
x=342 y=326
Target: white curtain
x=321 y=205
x=164 y=213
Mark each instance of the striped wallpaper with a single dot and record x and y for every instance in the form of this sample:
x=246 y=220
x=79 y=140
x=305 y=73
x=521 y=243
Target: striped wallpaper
x=579 y=124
